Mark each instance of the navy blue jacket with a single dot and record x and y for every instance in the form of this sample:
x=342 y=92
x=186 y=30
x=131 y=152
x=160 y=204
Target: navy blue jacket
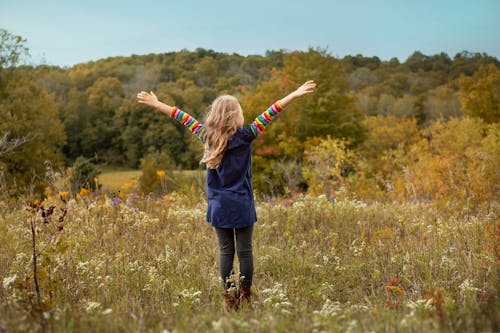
x=229 y=187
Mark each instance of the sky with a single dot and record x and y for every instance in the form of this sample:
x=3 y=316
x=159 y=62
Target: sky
x=68 y=32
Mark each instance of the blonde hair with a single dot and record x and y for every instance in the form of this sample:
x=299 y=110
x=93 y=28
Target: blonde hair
x=222 y=122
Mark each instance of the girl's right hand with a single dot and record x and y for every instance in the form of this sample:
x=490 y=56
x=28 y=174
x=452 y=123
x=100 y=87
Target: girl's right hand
x=307 y=88
x=148 y=98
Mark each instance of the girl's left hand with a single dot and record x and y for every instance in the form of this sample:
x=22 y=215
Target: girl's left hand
x=148 y=98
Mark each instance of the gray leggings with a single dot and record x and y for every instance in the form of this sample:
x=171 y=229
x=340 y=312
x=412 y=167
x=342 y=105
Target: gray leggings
x=244 y=249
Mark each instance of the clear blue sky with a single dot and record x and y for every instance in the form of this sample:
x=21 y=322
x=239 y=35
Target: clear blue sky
x=68 y=32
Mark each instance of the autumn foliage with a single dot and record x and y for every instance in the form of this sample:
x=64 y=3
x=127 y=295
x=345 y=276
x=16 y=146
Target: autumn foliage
x=424 y=129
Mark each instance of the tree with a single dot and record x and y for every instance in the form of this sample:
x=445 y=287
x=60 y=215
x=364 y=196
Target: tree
x=442 y=102
x=480 y=94
x=386 y=137
x=206 y=70
x=466 y=63
x=357 y=61
x=12 y=49
x=326 y=165
x=104 y=98
x=29 y=127
x=29 y=111
x=144 y=130
x=451 y=164
x=418 y=61
x=75 y=119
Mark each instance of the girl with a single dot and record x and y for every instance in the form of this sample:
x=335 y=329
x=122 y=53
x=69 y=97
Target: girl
x=231 y=207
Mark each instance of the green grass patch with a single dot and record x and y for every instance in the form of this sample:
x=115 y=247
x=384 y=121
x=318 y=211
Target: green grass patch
x=114 y=179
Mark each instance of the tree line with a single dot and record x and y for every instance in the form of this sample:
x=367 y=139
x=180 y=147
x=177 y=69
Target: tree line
x=89 y=109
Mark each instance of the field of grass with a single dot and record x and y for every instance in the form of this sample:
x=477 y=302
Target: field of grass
x=113 y=180
x=149 y=265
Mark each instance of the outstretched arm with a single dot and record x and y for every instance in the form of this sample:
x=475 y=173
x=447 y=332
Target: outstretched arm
x=304 y=89
x=150 y=99
x=261 y=122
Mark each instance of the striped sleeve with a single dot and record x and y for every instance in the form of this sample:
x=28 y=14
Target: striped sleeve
x=265 y=118
x=197 y=128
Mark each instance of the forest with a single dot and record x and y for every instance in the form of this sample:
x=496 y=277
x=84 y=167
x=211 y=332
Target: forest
x=420 y=129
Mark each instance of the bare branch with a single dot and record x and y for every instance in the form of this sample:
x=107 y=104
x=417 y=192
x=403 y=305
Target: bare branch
x=7 y=145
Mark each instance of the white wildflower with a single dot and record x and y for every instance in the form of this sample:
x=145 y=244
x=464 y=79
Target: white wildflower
x=277 y=298
x=107 y=311
x=9 y=281
x=92 y=307
x=467 y=288
x=190 y=297
x=330 y=309
x=421 y=304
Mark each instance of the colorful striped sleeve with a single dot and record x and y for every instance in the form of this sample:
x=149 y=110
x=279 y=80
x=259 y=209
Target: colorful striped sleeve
x=197 y=128
x=261 y=122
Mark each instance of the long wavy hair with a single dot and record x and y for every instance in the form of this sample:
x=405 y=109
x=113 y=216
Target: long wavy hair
x=221 y=123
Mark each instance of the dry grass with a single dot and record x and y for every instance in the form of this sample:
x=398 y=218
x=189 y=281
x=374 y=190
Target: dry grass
x=146 y=264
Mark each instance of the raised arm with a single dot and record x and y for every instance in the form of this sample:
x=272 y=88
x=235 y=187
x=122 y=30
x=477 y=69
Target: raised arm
x=264 y=119
x=150 y=99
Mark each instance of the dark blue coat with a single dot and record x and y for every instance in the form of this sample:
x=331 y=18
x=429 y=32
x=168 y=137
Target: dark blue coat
x=229 y=187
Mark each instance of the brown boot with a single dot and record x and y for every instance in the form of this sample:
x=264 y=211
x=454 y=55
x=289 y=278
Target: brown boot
x=245 y=297
x=231 y=303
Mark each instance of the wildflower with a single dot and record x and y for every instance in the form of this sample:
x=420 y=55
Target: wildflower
x=63 y=193
x=421 y=305
x=9 y=280
x=83 y=193
x=277 y=298
x=134 y=196
x=330 y=309
x=392 y=305
x=160 y=173
x=190 y=297
x=92 y=307
x=107 y=311
x=395 y=289
x=116 y=201
x=467 y=287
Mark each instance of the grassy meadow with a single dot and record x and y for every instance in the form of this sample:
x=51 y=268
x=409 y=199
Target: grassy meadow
x=113 y=180
x=150 y=264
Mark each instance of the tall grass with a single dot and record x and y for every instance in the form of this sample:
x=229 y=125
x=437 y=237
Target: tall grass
x=145 y=264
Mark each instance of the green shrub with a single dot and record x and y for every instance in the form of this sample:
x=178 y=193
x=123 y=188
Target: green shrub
x=84 y=175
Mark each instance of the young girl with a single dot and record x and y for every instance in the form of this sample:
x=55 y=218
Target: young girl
x=231 y=207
